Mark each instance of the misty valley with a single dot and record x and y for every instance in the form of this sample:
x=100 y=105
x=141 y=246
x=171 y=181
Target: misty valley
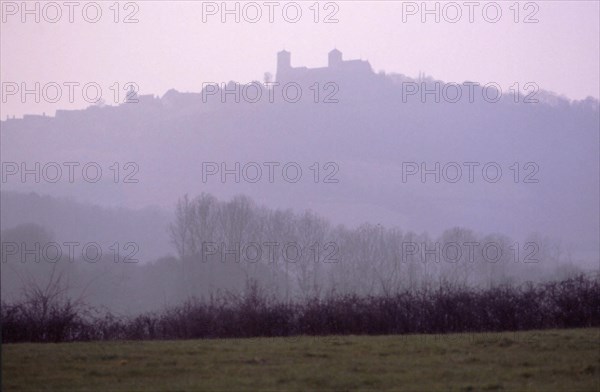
x=293 y=196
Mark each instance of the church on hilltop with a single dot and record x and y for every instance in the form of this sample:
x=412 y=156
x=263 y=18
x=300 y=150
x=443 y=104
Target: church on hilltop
x=336 y=68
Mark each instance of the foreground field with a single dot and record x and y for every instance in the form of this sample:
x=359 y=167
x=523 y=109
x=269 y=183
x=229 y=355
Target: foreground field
x=555 y=360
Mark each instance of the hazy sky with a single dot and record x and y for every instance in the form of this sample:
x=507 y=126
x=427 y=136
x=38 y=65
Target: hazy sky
x=171 y=46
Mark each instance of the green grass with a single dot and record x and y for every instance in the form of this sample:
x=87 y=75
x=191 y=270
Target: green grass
x=554 y=360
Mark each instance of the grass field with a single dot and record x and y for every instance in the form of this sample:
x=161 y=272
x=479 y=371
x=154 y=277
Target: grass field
x=554 y=360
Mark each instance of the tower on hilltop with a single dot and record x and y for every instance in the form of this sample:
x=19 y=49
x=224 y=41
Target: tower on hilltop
x=335 y=58
x=284 y=60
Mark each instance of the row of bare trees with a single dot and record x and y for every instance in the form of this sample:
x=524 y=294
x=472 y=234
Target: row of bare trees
x=228 y=252
x=302 y=256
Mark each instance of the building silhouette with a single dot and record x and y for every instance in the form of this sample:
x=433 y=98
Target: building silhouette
x=337 y=68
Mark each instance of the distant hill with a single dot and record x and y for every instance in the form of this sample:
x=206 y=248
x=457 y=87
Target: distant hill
x=368 y=134
x=69 y=220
